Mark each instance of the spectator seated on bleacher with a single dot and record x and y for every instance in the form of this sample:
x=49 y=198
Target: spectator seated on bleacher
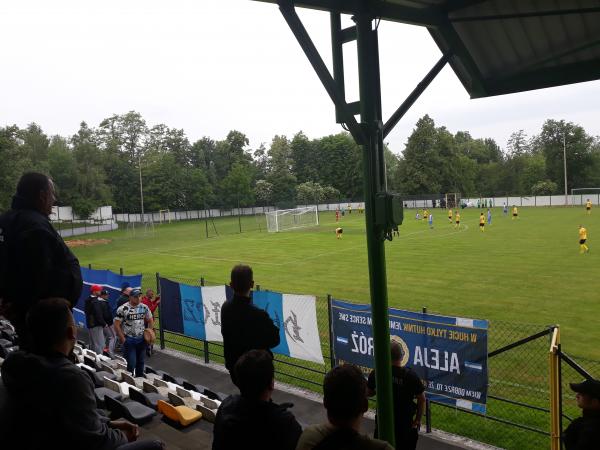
x=252 y=420
x=345 y=399
x=50 y=401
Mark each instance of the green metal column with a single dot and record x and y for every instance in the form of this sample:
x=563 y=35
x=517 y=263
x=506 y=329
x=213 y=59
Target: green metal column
x=375 y=182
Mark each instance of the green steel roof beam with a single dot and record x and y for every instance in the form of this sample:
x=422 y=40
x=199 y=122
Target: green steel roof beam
x=429 y=16
x=289 y=13
x=414 y=95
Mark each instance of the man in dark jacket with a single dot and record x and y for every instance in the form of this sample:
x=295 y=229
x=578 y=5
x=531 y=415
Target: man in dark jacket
x=244 y=326
x=123 y=298
x=252 y=420
x=35 y=263
x=584 y=432
x=95 y=319
x=109 y=330
x=60 y=393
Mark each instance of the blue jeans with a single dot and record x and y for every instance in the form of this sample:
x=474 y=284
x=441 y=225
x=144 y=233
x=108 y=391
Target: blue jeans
x=134 y=351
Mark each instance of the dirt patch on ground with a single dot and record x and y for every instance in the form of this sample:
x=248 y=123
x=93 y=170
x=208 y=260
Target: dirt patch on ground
x=87 y=242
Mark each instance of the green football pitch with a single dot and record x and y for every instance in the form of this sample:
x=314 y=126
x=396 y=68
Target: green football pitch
x=526 y=271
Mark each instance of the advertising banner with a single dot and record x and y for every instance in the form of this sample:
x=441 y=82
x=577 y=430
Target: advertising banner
x=112 y=282
x=448 y=353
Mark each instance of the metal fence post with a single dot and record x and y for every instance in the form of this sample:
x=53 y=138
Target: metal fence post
x=329 y=328
x=205 y=348
x=560 y=395
x=90 y=266
x=427 y=402
x=161 y=328
x=121 y=271
x=554 y=390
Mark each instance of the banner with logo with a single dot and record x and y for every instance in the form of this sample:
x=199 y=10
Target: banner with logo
x=196 y=311
x=193 y=310
x=296 y=318
x=448 y=353
x=112 y=282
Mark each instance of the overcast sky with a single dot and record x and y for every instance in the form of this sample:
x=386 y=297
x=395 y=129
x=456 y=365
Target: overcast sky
x=209 y=66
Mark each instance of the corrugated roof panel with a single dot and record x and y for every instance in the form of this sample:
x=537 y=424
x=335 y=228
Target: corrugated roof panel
x=500 y=46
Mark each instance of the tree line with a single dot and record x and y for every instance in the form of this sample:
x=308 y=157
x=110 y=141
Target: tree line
x=102 y=165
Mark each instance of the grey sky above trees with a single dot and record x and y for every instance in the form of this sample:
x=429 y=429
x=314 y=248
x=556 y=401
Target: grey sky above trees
x=211 y=66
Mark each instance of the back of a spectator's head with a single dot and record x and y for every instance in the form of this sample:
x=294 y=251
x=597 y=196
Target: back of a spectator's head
x=31 y=184
x=51 y=325
x=396 y=351
x=345 y=393
x=242 y=279
x=254 y=373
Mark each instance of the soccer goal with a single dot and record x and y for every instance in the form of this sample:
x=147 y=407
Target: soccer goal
x=140 y=229
x=579 y=196
x=164 y=215
x=452 y=200
x=288 y=219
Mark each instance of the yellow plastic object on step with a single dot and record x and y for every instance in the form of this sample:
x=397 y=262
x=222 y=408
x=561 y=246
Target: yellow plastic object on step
x=181 y=414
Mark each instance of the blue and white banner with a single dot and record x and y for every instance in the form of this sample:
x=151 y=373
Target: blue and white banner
x=110 y=281
x=448 y=353
x=193 y=310
x=196 y=312
x=296 y=318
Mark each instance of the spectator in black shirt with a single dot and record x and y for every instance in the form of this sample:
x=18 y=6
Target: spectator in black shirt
x=252 y=420
x=406 y=387
x=123 y=298
x=95 y=319
x=244 y=326
x=584 y=432
x=35 y=263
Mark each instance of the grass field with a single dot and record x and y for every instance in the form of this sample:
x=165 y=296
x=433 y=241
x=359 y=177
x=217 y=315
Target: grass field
x=521 y=275
x=527 y=270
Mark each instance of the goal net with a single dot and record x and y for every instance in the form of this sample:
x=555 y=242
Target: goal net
x=164 y=215
x=452 y=200
x=579 y=196
x=288 y=219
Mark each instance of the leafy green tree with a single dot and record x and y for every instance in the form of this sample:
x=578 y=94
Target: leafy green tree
x=309 y=193
x=230 y=151
x=263 y=192
x=304 y=158
x=63 y=170
x=557 y=137
x=236 y=187
x=280 y=172
x=35 y=145
x=518 y=143
x=330 y=194
x=545 y=187
x=421 y=160
x=340 y=164
x=92 y=188
x=14 y=161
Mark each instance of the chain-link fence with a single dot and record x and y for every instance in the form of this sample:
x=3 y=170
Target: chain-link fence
x=518 y=394
x=518 y=405
x=574 y=369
